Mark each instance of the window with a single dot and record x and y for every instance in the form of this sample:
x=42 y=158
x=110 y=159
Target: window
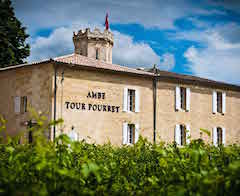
x=219 y=136
x=183 y=136
x=23 y=106
x=131 y=134
x=97 y=53
x=17 y=105
x=219 y=102
x=131 y=100
x=20 y=104
x=183 y=98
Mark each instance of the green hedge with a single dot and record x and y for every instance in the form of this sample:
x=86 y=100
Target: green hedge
x=63 y=167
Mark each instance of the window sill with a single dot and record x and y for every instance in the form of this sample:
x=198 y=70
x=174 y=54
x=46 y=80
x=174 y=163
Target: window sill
x=131 y=112
x=182 y=110
x=129 y=144
x=218 y=113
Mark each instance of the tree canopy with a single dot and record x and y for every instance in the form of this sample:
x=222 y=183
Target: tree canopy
x=13 y=46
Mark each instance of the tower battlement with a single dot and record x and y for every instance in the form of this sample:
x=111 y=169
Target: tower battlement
x=94 y=44
x=95 y=34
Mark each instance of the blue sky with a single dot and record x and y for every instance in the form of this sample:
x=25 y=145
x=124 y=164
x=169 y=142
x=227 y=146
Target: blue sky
x=200 y=38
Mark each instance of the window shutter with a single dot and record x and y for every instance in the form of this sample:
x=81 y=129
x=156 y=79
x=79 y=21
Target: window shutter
x=125 y=130
x=188 y=97
x=223 y=136
x=178 y=97
x=136 y=132
x=137 y=101
x=214 y=102
x=223 y=102
x=177 y=135
x=73 y=135
x=125 y=99
x=17 y=104
x=188 y=134
x=215 y=136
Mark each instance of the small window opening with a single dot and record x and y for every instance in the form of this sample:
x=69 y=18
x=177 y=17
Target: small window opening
x=131 y=100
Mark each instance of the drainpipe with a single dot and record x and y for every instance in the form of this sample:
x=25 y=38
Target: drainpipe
x=55 y=101
x=154 y=102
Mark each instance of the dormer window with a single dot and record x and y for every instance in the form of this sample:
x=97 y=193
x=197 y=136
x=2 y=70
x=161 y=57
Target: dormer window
x=97 y=53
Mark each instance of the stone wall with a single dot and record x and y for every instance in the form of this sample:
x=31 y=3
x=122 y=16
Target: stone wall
x=99 y=126
x=200 y=114
x=35 y=82
x=86 y=42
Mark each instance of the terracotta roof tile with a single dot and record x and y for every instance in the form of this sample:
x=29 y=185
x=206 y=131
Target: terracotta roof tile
x=77 y=59
x=82 y=61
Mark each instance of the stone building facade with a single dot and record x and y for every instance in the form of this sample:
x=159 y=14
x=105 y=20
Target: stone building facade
x=100 y=101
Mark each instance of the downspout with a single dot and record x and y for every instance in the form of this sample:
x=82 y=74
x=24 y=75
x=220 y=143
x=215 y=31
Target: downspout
x=154 y=102
x=55 y=101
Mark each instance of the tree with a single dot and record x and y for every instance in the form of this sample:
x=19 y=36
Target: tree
x=13 y=48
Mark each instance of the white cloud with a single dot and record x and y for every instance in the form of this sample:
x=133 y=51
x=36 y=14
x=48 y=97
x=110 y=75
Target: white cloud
x=167 y=62
x=125 y=50
x=151 y=14
x=218 y=60
x=58 y=43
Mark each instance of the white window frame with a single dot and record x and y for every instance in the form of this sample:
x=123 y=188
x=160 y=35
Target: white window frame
x=130 y=99
x=17 y=104
x=215 y=103
x=131 y=134
x=126 y=100
x=215 y=136
x=178 y=98
x=178 y=138
x=127 y=132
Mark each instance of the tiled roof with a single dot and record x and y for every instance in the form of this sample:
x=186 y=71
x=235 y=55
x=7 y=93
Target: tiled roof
x=192 y=79
x=76 y=59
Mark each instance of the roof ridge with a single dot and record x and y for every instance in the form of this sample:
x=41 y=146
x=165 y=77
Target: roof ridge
x=63 y=56
x=100 y=61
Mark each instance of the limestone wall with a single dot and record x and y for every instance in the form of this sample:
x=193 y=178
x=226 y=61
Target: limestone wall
x=200 y=114
x=102 y=126
x=35 y=82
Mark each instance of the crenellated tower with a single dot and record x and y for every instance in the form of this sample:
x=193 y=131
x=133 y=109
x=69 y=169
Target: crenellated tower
x=94 y=44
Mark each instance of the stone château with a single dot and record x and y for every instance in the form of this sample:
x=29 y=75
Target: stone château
x=100 y=101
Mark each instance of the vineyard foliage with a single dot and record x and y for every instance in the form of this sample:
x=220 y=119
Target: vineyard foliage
x=64 y=167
